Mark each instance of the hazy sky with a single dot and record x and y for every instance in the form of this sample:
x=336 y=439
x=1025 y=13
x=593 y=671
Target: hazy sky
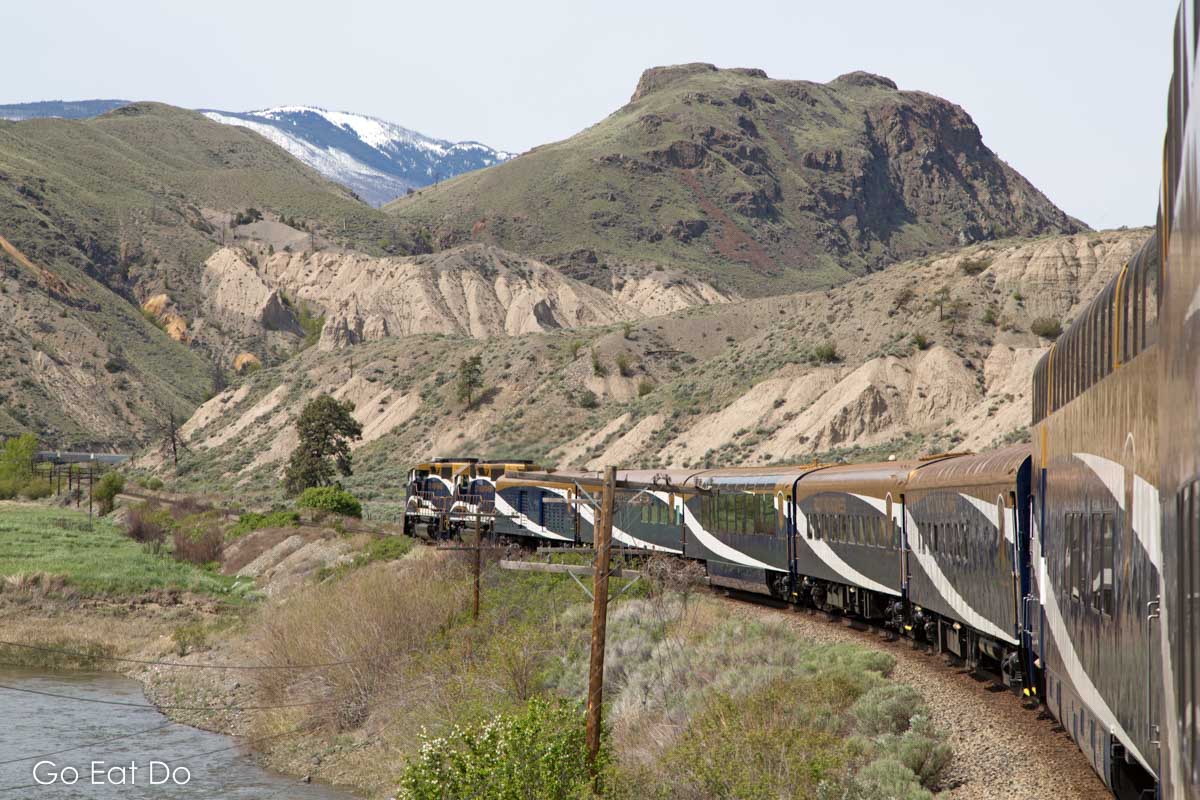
x=1072 y=94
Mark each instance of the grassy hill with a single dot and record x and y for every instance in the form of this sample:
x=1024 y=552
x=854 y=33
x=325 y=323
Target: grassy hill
x=100 y=215
x=759 y=185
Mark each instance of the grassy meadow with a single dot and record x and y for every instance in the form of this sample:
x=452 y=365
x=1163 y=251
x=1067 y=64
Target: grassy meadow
x=59 y=546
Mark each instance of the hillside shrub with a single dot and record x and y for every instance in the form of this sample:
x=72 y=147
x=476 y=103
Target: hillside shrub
x=974 y=266
x=146 y=525
x=887 y=708
x=36 y=489
x=598 y=368
x=645 y=387
x=1046 y=327
x=107 y=489
x=254 y=521
x=539 y=753
x=921 y=341
x=330 y=498
x=588 y=399
x=386 y=548
x=825 y=353
x=200 y=545
x=624 y=365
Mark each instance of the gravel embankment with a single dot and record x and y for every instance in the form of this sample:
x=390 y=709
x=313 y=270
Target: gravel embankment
x=1000 y=748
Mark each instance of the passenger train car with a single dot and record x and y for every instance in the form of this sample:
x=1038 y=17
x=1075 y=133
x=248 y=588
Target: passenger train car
x=1071 y=564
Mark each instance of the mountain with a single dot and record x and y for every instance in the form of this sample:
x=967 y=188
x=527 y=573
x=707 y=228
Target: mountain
x=105 y=227
x=884 y=364
x=63 y=109
x=756 y=185
x=378 y=160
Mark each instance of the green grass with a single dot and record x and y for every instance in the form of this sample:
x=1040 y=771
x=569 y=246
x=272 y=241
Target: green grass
x=97 y=561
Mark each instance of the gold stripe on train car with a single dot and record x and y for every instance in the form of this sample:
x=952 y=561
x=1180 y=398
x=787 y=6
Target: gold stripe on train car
x=1118 y=327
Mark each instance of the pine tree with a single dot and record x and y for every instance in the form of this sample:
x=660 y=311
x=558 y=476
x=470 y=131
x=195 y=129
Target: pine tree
x=326 y=427
x=470 y=379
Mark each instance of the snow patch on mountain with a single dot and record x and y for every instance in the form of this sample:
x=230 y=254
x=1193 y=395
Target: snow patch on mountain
x=377 y=159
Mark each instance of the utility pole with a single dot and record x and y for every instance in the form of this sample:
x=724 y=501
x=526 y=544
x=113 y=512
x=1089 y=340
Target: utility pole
x=478 y=562
x=603 y=545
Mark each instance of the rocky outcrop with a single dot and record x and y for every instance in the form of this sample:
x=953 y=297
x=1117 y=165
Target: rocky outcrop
x=771 y=185
x=476 y=290
x=238 y=299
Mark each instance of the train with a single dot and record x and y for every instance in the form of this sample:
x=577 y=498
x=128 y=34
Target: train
x=1069 y=566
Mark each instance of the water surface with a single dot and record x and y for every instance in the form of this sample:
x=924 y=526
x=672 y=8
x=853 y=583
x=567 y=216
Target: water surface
x=36 y=725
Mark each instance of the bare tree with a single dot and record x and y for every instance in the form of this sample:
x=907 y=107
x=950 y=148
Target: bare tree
x=171 y=440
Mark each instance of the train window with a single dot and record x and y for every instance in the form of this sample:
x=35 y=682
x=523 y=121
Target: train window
x=1109 y=568
x=934 y=528
x=764 y=522
x=1139 y=319
x=1184 y=652
x=1096 y=588
x=1073 y=555
x=1106 y=335
x=1126 y=318
x=1150 y=304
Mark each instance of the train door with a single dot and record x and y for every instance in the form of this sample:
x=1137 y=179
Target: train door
x=788 y=509
x=896 y=516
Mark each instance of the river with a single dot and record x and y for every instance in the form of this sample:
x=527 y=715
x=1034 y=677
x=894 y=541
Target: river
x=173 y=762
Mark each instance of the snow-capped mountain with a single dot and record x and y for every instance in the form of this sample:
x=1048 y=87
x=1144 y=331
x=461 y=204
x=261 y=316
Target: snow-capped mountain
x=376 y=159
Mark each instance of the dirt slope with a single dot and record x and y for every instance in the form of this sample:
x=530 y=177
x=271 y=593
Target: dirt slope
x=476 y=291
x=744 y=382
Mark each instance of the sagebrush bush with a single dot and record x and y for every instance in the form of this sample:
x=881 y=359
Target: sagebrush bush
x=920 y=749
x=9 y=488
x=1046 y=327
x=887 y=708
x=330 y=498
x=886 y=779
x=189 y=638
x=825 y=353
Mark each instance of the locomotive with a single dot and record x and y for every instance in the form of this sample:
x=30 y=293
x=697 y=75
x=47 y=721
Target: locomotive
x=1070 y=565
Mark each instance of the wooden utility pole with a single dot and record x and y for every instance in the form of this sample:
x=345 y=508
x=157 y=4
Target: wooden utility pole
x=603 y=545
x=478 y=562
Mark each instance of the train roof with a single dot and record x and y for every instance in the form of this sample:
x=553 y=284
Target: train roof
x=876 y=479
x=984 y=469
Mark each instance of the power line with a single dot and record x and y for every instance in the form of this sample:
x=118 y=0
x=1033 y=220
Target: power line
x=89 y=744
x=185 y=759
x=160 y=708
x=94 y=657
